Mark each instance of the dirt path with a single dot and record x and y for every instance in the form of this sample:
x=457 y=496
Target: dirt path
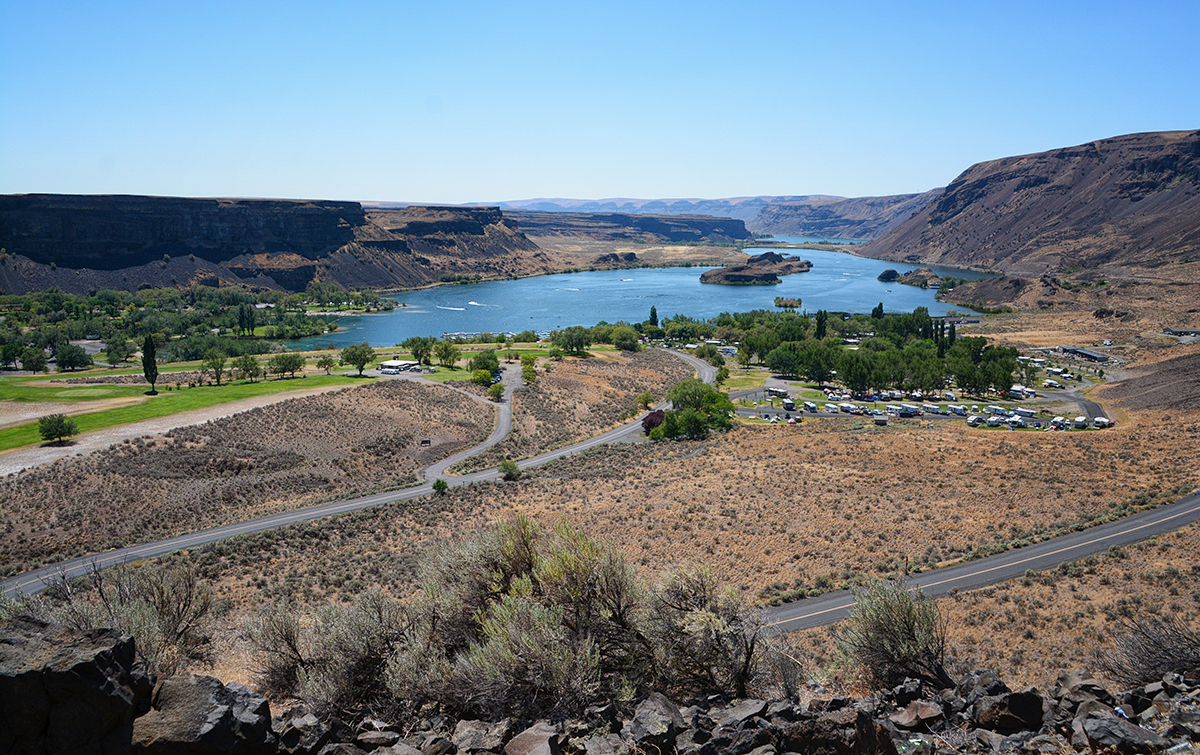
x=17 y=459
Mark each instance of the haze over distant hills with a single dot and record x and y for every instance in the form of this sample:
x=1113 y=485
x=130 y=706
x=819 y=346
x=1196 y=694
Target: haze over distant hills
x=800 y=215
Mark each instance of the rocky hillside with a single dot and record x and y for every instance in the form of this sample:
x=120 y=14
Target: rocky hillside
x=839 y=217
x=758 y=270
x=80 y=243
x=741 y=208
x=626 y=227
x=1120 y=208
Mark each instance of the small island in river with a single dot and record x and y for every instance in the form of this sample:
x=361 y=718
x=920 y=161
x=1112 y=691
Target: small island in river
x=761 y=269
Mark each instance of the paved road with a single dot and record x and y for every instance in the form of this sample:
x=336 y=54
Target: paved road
x=34 y=580
x=833 y=607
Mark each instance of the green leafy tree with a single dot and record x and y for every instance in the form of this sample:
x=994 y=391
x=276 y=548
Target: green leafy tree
x=214 y=363
x=327 y=363
x=573 y=340
x=290 y=362
x=420 y=347
x=496 y=392
x=358 y=355
x=247 y=318
x=10 y=354
x=525 y=336
x=484 y=360
x=117 y=349
x=149 y=362
x=246 y=367
x=786 y=360
x=653 y=316
x=440 y=486
x=56 y=427
x=482 y=377
x=447 y=353
x=625 y=338
x=820 y=360
x=645 y=400
x=71 y=357
x=822 y=324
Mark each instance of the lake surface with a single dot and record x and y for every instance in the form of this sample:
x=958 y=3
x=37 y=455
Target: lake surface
x=837 y=282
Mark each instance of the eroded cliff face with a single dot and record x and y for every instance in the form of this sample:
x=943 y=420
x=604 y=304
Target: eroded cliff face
x=114 y=232
x=1126 y=207
x=839 y=217
x=80 y=243
x=642 y=227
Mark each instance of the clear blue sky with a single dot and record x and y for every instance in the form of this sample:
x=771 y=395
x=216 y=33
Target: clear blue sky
x=449 y=102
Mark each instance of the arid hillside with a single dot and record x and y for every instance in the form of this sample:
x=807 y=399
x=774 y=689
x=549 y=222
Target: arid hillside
x=1125 y=208
x=839 y=217
x=628 y=227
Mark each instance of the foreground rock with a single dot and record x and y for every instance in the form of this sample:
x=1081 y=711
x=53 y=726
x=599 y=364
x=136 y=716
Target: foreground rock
x=200 y=715
x=66 y=691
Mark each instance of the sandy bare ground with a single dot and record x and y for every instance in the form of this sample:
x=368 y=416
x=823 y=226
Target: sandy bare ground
x=17 y=459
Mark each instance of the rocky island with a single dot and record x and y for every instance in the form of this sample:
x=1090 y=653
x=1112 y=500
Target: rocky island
x=761 y=269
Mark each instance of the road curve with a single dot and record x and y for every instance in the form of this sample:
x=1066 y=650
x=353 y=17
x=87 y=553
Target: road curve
x=35 y=580
x=971 y=575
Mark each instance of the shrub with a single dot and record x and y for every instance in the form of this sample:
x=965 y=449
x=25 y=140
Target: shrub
x=496 y=392
x=56 y=427
x=1148 y=649
x=440 y=486
x=894 y=634
x=481 y=377
x=510 y=470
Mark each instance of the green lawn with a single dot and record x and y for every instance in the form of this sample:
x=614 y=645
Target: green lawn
x=164 y=404
x=744 y=380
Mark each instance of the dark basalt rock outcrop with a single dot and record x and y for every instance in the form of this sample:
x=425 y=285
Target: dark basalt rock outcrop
x=889 y=275
x=199 y=715
x=617 y=259
x=66 y=691
x=761 y=269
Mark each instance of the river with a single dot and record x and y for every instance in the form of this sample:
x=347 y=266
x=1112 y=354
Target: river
x=837 y=282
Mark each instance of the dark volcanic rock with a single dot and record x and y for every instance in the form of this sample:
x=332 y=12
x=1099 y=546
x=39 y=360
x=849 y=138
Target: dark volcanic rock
x=201 y=716
x=67 y=691
x=621 y=227
x=655 y=723
x=889 y=275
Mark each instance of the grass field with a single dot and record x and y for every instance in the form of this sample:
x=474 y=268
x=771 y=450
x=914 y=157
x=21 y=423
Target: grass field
x=148 y=407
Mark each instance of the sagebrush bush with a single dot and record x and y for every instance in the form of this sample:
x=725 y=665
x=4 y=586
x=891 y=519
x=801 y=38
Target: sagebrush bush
x=1148 y=649
x=893 y=634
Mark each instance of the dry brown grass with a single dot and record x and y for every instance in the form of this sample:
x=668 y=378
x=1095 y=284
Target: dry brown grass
x=574 y=399
x=283 y=456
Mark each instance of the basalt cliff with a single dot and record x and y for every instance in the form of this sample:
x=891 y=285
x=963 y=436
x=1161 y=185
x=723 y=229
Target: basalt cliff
x=81 y=243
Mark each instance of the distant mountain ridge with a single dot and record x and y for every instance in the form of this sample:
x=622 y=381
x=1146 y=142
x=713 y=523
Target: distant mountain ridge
x=796 y=215
x=1128 y=206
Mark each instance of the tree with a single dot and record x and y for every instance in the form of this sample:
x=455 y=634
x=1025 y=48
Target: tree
x=247 y=367
x=894 y=634
x=573 y=340
x=819 y=360
x=510 y=470
x=786 y=360
x=290 y=362
x=625 y=338
x=496 y=392
x=247 y=318
x=644 y=399
x=822 y=324
x=327 y=363
x=117 y=349
x=877 y=312
x=447 y=353
x=10 y=354
x=358 y=355
x=653 y=316
x=33 y=359
x=420 y=347
x=72 y=357
x=56 y=427
x=214 y=362
x=149 y=364
x=440 y=486
x=481 y=377
x=484 y=360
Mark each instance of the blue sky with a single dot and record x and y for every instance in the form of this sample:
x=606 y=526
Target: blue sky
x=449 y=102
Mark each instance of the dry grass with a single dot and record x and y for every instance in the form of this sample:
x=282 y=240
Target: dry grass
x=283 y=456
x=574 y=399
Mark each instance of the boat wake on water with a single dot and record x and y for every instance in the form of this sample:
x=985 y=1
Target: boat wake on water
x=455 y=309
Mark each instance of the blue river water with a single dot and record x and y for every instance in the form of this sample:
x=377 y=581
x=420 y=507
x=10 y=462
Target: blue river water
x=837 y=282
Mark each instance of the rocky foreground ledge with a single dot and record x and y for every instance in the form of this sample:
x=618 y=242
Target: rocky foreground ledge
x=67 y=691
